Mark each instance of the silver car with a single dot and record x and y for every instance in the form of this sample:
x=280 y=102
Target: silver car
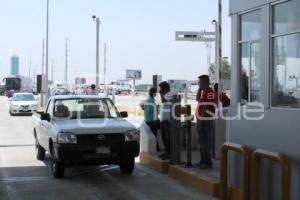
x=22 y=103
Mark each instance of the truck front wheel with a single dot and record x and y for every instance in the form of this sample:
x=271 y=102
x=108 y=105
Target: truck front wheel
x=57 y=167
x=127 y=167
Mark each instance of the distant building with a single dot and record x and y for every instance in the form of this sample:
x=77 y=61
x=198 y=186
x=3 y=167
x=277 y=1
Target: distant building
x=14 y=66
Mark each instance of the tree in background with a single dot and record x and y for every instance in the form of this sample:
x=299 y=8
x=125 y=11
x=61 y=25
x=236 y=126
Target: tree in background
x=226 y=70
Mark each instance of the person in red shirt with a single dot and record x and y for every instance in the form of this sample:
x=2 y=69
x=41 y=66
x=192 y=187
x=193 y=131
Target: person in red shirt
x=205 y=116
x=224 y=99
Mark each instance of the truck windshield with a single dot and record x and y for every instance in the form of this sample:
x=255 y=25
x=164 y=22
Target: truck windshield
x=84 y=108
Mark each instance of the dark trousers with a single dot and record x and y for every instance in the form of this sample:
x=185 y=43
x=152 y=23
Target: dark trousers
x=153 y=126
x=165 y=133
x=204 y=129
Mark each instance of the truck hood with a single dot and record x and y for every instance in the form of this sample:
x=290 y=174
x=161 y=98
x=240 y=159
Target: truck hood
x=93 y=126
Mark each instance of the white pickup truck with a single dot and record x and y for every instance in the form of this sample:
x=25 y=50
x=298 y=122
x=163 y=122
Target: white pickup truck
x=85 y=130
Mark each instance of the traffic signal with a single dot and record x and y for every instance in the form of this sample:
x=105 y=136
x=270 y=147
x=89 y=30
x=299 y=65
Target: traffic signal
x=39 y=83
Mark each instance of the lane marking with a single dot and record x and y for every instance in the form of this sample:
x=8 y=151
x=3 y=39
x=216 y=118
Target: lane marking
x=17 y=145
x=23 y=179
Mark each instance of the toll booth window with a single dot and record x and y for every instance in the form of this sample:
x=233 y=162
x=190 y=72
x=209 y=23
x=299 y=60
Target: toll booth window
x=286 y=54
x=249 y=57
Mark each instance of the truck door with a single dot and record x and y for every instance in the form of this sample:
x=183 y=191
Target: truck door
x=46 y=127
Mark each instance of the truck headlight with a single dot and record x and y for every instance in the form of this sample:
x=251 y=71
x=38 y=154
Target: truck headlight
x=132 y=135
x=66 y=138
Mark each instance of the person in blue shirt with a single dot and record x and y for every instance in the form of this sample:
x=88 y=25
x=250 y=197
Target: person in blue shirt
x=150 y=112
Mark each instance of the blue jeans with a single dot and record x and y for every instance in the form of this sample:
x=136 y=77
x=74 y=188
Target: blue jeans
x=204 y=129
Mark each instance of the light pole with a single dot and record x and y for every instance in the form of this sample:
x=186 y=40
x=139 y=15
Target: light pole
x=52 y=71
x=214 y=22
x=42 y=78
x=104 y=73
x=218 y=27
x=98 y=22
x=47 y=53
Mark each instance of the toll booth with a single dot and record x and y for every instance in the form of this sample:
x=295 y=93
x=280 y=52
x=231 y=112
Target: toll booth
x=265 y=111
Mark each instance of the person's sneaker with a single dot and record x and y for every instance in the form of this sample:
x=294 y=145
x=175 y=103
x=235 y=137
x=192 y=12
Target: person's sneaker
x=162 y=155
x=205 y=166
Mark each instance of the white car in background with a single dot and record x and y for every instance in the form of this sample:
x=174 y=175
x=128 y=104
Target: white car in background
x=22 y=103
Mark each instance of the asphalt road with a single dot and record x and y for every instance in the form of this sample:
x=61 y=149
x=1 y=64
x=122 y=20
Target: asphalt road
x=23 y=177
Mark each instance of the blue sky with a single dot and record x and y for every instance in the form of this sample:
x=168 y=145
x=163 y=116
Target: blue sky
x=139 y=35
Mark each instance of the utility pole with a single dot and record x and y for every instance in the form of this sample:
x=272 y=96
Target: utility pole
x=105 y=62
x=52 y=70
x=47 y=52
x=208 y=46
x=29 y=74
x=219 y=46
x=42 y=78
x=66 y=61
x=34 y=75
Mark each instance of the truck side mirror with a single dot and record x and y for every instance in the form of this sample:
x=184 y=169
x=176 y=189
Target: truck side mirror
x=124 y=114
x=45 y=117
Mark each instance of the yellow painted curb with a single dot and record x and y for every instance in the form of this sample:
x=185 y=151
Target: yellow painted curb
x=235 y=194
x=202 y=184
x=154 y=163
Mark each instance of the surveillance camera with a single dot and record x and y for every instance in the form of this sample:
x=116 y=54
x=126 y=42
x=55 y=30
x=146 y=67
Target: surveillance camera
x=94 y=16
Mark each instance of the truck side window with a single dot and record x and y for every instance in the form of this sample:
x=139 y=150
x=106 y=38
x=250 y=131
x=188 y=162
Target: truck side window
x=48 y=110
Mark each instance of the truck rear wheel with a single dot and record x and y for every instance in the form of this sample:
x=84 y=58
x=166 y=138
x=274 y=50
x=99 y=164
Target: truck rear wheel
x=127 y=167
x=57 y=167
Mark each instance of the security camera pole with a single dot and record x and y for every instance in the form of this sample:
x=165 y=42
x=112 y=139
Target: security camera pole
x=220 y=58
x=98 y=22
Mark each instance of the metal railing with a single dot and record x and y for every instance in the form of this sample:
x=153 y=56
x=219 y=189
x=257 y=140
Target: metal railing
x=285 y=173
x=224 y=169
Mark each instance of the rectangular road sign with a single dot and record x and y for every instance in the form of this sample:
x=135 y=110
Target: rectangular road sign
x=133 y=74
x=194 y=36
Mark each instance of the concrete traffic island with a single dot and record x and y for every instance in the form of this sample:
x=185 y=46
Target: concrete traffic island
x=204 y=181
x=199 y=181
x=153 y=162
